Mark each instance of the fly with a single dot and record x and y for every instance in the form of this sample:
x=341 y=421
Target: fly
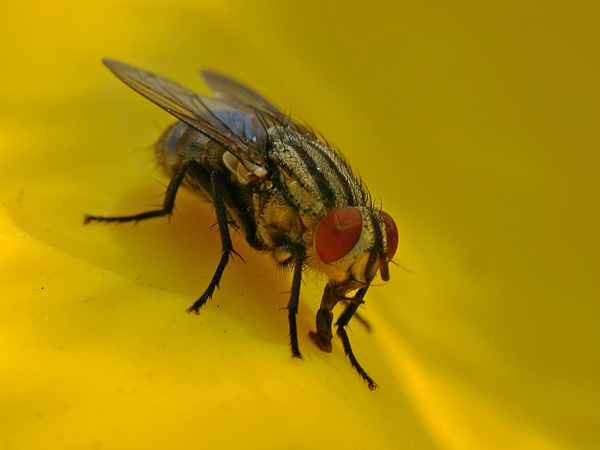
x=274 y=181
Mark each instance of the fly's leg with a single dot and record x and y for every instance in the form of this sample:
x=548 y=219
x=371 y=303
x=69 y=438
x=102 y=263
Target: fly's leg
x=166 y=210
x=226 y=245
x=358 y=317
x=341 y=323
x=292 y=306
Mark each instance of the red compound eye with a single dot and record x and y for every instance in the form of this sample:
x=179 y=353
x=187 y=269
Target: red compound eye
x=391 y=235
x=337 y=233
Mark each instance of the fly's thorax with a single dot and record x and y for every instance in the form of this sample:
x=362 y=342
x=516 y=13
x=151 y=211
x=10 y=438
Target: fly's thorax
x=353 y=243
x=314 y=176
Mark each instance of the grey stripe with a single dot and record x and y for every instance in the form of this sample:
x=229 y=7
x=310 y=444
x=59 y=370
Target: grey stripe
x=339 y=173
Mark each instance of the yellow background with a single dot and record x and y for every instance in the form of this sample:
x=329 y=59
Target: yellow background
x=476 y=125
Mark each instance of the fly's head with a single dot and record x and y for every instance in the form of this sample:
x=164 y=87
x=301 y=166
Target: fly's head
x=352 y=243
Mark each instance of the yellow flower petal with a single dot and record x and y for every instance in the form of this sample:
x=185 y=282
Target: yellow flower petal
x=477 y=126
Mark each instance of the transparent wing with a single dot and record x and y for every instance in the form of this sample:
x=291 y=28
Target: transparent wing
x=244 y=98
x=238 y=130
x=236 y=93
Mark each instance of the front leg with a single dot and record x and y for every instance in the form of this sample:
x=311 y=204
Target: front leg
x=341 y=323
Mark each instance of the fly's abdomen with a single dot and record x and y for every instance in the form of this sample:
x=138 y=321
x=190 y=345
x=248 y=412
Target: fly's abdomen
x=180 y=143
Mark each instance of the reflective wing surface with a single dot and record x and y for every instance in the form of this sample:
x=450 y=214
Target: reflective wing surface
x=235 y=93
x=238 y=129
x=246 y=99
